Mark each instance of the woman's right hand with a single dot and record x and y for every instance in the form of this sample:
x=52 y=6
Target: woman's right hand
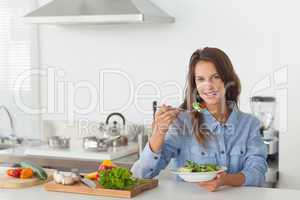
x=162 y=120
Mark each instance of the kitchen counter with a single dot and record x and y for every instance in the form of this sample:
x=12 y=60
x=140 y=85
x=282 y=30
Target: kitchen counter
x=84 y=165
x=168 y=189
x=75 y=153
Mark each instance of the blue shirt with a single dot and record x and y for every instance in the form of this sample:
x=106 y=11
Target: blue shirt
x=236 y=144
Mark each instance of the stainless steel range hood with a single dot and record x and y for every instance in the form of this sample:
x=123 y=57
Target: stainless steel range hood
x=98 y=12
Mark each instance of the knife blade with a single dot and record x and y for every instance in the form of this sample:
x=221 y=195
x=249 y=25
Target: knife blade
x=89 y=183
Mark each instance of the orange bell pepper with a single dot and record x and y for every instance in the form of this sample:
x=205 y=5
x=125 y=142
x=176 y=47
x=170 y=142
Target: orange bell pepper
x=26 y=173
x=107 y=163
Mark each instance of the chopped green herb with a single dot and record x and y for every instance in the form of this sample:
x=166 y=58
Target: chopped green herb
x=117 y=178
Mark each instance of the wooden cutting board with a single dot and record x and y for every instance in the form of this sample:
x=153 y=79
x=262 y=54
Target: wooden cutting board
x=80 y=188
x=9 y=182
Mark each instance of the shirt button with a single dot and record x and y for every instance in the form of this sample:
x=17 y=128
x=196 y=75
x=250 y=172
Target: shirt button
x=151 y=170
x=242 y=152
x=222 y=152
x=155 y=157
x=202 y=153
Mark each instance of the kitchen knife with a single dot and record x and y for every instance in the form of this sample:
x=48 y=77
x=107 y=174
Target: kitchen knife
x=88 y=182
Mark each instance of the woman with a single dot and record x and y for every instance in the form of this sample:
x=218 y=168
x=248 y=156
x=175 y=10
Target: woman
x=221 y=134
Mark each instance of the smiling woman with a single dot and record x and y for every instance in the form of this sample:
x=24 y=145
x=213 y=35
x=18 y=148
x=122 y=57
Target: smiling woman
x=212 y=81
x=219 y=135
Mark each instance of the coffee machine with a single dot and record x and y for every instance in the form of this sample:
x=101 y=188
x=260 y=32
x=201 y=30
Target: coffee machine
x=263 y=107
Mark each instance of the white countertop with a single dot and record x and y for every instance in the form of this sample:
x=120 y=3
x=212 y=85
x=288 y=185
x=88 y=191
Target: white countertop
x=113 y=153
x=78 y=153
x=168 y=189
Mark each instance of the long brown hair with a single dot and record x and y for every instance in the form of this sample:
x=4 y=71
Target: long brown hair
x=226 y=72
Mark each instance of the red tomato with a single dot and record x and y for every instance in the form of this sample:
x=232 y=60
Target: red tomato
x=102 y=167
x=14 y=172
x=17 y=172
x=97 y=176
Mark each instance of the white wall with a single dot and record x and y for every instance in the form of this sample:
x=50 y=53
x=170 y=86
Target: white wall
x=259 y=37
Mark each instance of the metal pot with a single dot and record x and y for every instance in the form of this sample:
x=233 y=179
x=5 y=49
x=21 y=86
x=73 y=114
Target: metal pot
x=94 y=144
x=121 y=141
x=57 y=142
x=97 y=144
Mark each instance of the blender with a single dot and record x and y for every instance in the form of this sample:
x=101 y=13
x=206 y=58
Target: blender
x=263 y=107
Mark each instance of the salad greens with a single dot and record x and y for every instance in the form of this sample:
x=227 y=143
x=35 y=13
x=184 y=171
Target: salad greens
x=194 y=167
x=198 y=107
x=117 y=178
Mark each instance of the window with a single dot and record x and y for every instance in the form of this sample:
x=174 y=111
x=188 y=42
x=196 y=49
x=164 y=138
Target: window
x=18 y=54
x=15 y=43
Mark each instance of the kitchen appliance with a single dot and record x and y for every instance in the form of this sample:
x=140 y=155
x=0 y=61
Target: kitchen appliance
x=94 y=144
x=98 y=144
x=116 y=129
x=98 y=12
x=57 y=142
x=120 y=141
x=263 y=107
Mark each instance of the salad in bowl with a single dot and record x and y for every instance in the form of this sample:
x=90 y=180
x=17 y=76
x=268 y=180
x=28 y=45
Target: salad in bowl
x=193 y=172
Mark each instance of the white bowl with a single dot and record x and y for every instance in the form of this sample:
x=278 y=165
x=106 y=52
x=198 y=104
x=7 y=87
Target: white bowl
x=198 y=176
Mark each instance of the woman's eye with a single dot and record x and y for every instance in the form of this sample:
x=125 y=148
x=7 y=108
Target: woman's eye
x=200 y=79
x=216 y=77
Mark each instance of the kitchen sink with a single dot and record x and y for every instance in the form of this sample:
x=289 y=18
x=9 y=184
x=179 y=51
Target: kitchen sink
x=5 y=146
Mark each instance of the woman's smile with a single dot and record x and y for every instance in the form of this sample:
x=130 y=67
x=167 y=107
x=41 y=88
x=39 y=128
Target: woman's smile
x=210 y=94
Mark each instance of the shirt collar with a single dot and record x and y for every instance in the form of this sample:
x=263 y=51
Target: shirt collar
x=230 y=124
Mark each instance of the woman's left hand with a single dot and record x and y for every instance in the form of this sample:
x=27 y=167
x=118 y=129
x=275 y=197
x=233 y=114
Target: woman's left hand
x=214 y=184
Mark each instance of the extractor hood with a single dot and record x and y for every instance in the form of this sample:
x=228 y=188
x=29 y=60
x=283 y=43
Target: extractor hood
x=98 y=12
